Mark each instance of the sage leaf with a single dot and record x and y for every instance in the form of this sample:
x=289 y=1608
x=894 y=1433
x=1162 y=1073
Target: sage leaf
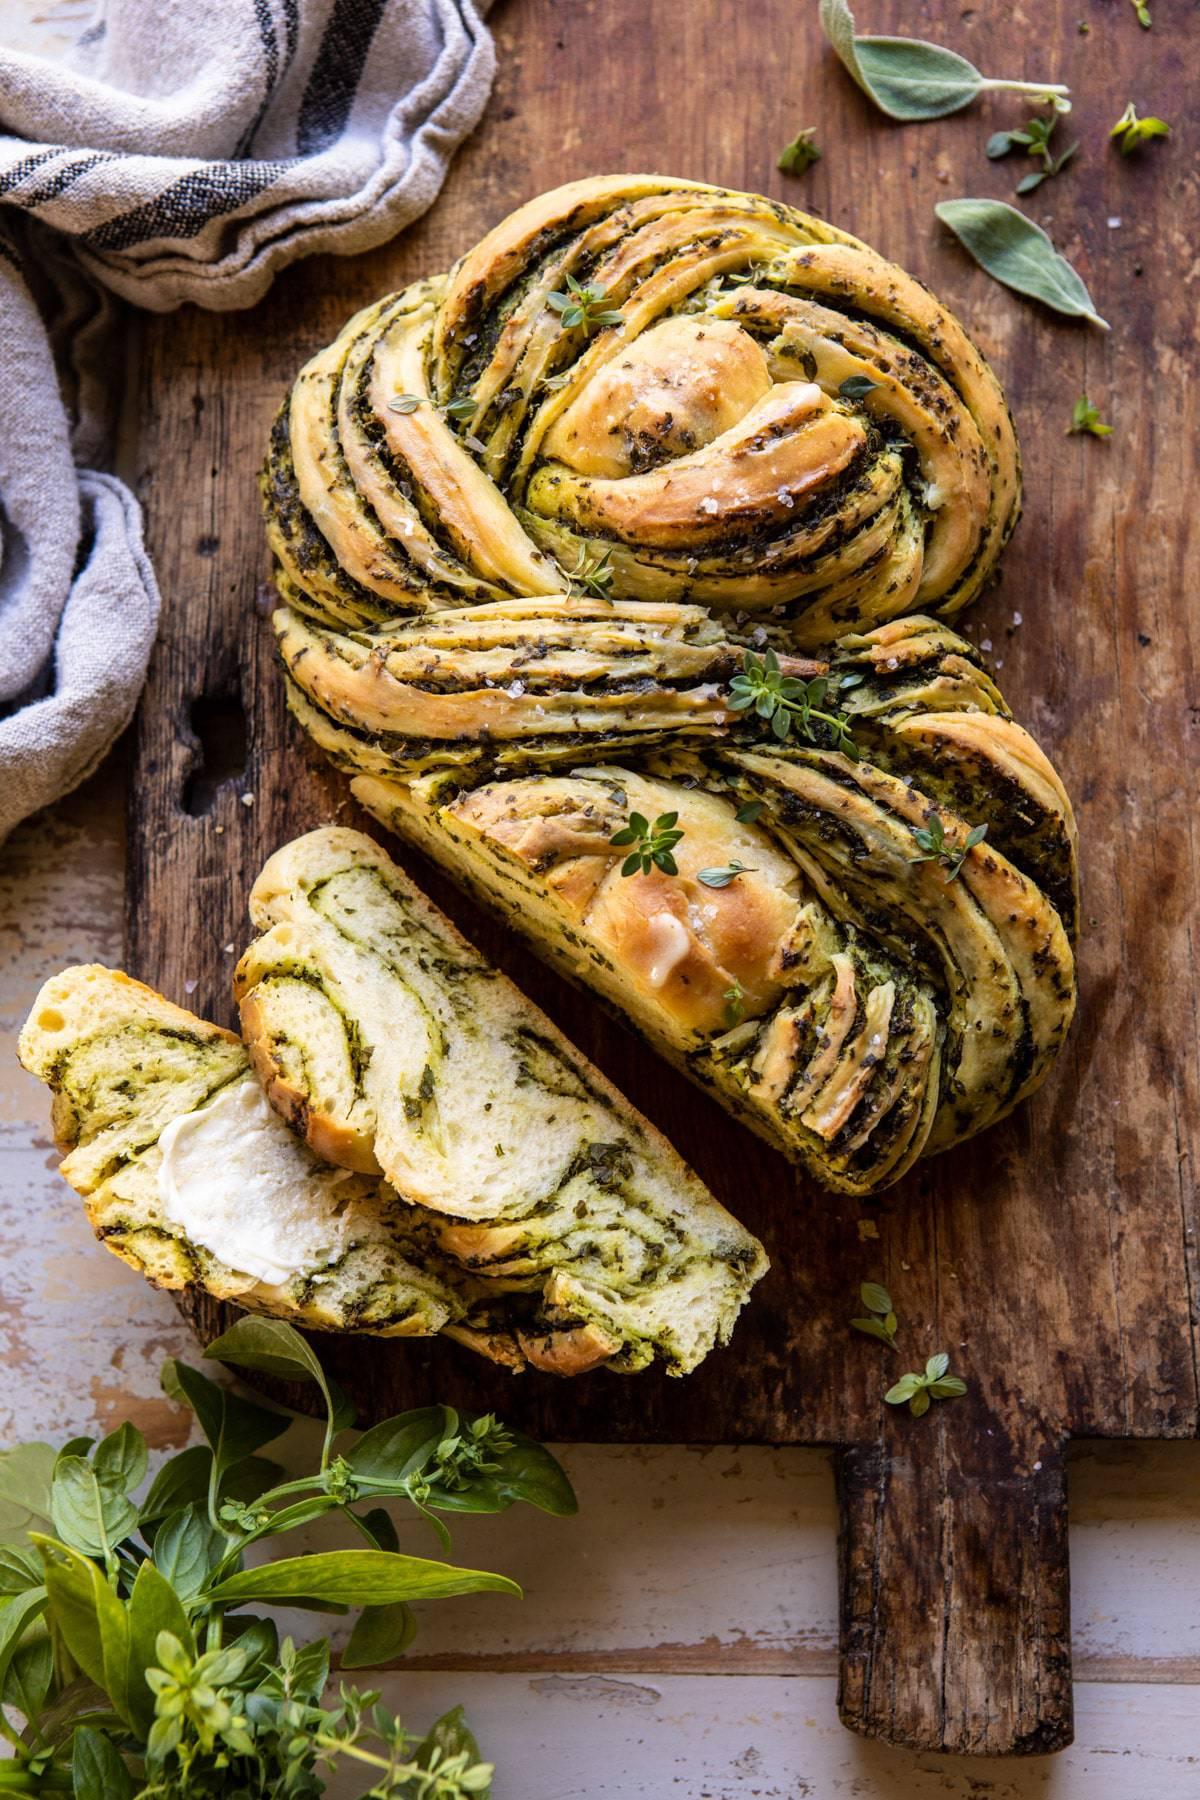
x=97 y=1769
x=910 y=79
x=1016 y=252
x=356 y=1578
x=381 y=1634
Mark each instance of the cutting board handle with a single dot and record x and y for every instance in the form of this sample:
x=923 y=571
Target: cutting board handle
x=955 y=1604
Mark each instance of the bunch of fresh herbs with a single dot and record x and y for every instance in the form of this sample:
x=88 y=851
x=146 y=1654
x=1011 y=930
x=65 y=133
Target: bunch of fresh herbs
x=126 y=1643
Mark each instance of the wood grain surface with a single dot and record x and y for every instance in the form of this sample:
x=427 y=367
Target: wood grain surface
x=1055 y=1258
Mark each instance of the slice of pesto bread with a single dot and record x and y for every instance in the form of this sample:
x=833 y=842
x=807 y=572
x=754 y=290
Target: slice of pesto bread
x=191 y=1178
x=392 y=1047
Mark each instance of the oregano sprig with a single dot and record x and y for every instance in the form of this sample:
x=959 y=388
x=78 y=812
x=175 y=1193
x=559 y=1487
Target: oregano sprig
x=1085 y=419
x=721 y=878
x=652 y=844
x=1131 y=132
x=880 y=1319
x=936 y=847
x=1035 y=141
x=800 y=155
x=593 y=575
x=786 y=703
x=581 y=306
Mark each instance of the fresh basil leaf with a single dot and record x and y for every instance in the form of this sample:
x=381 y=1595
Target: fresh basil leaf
x=120 y=1459
x=1013 y=250
x=20 y=1569
x=380 y=1635
x=182 y=1480
x=450 y=1736
x=97 y=1769
x=526 y=1472
x=356 y=1578
x=154 y=1606
x=16 y=1616
x=88 y=1514
x=76 y=1446
x=26 y=1472
x=258 y=1638
x=278 y=1349
x=187 y=1548
x=234 y=1427
x=92 y=1620
x=400 y=1447
x=26 y=1681
x=908 y=78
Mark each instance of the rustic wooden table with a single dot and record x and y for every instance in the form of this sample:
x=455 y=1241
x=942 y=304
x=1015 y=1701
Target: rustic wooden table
x=679 y=1637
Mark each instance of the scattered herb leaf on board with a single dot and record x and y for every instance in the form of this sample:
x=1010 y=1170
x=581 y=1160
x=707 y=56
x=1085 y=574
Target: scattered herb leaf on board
x=910 y=79
x=1034 y=140
x=1016 y=252
x=1131 y=132
x=123 y=1648
x=919 y=1390
x=1085 y=419
x=881 y=1321
x=652 y=844
x=800 y=154
x=1143 y=14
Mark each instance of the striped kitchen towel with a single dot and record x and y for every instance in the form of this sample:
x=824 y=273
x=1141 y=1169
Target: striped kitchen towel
x=184 y=151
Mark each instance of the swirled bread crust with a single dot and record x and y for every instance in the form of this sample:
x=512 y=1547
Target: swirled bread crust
x=523 y=560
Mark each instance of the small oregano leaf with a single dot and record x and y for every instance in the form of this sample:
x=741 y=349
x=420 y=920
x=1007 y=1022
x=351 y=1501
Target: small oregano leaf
x=1016 y=252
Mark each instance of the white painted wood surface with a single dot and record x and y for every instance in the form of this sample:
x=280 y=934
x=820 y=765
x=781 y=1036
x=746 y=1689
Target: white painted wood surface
x=678 y=1637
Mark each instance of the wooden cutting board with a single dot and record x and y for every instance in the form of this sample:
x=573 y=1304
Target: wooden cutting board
x=1056 y=1257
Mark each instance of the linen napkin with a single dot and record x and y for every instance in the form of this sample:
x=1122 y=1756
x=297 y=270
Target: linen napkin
x=177 y=152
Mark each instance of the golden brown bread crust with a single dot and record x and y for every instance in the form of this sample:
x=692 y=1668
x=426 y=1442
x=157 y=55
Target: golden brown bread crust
x=535 y=520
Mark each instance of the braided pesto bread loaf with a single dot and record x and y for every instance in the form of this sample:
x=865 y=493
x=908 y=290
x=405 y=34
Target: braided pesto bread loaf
x=529 y=1211
x=652 y=509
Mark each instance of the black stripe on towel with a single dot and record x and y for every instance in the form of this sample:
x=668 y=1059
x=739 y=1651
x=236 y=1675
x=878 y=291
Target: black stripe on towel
x=186 y=207
x=336 y=73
